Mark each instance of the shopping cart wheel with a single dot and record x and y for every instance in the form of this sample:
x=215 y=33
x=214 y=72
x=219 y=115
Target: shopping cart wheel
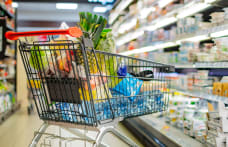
x=30 y=109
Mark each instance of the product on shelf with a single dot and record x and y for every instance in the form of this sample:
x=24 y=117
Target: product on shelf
x=216 y=125
x=199 y=82
x=188 y=114
x=7 y=98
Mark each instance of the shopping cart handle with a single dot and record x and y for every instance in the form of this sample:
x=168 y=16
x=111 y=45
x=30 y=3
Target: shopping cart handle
x=73 y=31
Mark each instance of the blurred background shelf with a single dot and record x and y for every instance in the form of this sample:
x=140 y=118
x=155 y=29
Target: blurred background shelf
x=154 y=131
x=8 y=113
x=7 y=13
x=203 y=95
x=9 y=28
x=204 y=65
x=171 y=17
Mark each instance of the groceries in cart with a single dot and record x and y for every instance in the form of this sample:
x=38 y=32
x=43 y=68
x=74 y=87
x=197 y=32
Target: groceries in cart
x=82 y=80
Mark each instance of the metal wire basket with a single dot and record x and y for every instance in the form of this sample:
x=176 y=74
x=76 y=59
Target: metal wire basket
x=80 y=85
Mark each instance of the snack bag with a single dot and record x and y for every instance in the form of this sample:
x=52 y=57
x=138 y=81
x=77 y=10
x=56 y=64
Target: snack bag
x=122 y=70
x=129 y=86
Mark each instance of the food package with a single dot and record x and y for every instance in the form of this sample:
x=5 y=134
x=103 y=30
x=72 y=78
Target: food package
x=225 y=89
x=129 y=86
x=149 y=85
x=217 y=88
x=68 y=111
x=99 y=93
x=99 y=88
x=34 y=84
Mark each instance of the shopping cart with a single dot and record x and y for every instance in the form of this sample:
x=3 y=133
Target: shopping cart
x=80 y=87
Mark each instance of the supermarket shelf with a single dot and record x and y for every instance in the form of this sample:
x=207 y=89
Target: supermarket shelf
x=150 y=48
x=6 y=11
x=206 y=96
x=119 y=9
x=204 y=65
x=154 y=131
x=5 y=115
x=190 y=8
x=183 y=66
x=129 y=20
x=7 y=92
x=10 y=56
x=3 y=66
x=215 y=32
x=9 y=28
x=7 y=77
x=9 y=41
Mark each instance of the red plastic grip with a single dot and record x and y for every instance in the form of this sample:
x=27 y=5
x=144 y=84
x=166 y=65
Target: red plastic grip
x=73 y=31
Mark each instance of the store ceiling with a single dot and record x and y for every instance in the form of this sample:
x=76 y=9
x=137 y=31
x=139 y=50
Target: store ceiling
x=37 y=16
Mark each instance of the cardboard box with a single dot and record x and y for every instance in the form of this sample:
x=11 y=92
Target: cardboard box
x=225 y=89
x=217 y=88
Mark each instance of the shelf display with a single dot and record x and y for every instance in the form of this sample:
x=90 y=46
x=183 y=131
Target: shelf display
x=8 y=101
x=202 y=120
x=132 y=25
x=7 y=96
x=200 y=84
x=192 y=36
x=205 y=121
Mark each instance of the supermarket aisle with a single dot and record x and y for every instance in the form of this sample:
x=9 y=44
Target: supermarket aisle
x=18 y=131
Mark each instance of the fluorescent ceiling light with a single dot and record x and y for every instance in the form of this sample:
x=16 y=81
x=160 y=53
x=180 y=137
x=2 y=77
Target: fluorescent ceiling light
x=121 y=6
x=129 y=37
x=194 y=39
x=101 y=1
x=162 y=23
x=70 y=6
x=99 y=9
x=219 y=34
x=163 y=3
x=193 y=10
x=149 y=48
x=166 y=22
x=14 y=5
x=146 y=11
x=127 y=26
x=210 y=1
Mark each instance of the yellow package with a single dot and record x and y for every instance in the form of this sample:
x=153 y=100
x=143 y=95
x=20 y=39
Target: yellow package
x=217 y=88
x=98 y=93
x=225 y=89
x=34 y=83
x=149 y=85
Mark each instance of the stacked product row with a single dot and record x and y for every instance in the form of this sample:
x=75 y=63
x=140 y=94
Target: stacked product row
x=7 y=93
x=8 y=102
x=188 y=114
x=201 y=81
x=144 y=12
x=191 y=52
x=190 y=29
x=7 y=97
x=202 y=120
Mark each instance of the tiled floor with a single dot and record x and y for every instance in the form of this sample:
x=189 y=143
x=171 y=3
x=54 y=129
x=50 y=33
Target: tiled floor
x=18 y=131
